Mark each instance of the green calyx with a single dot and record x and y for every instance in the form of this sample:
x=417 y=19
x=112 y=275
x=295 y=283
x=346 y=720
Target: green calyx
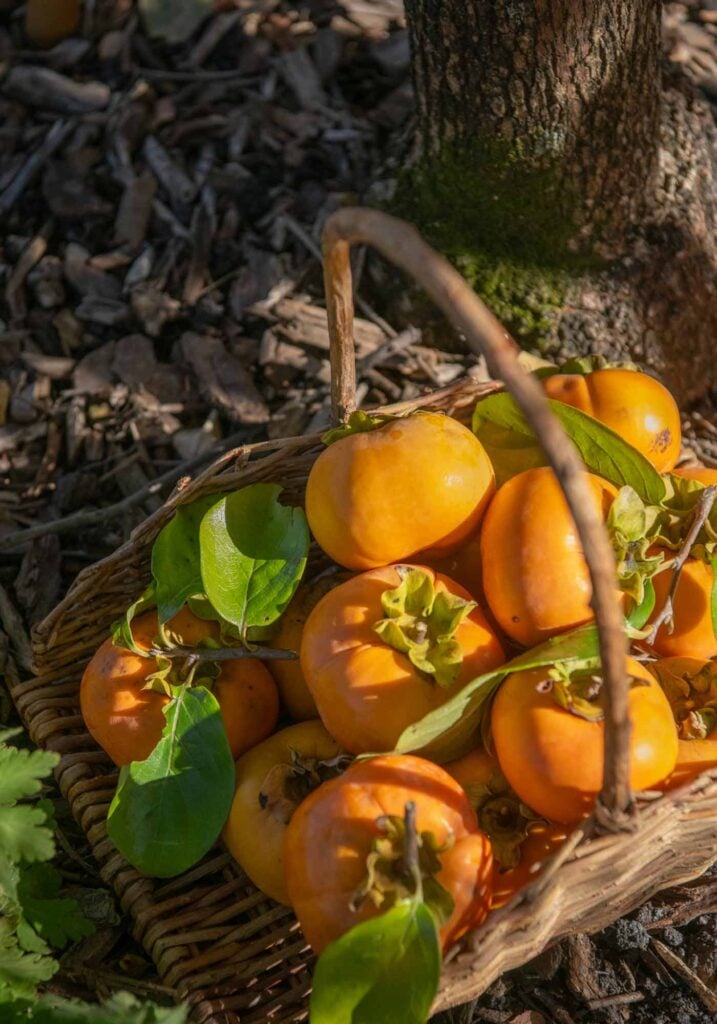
x=403 y=864
x=421 y=623
x=633 y=527
x=588 y=364
x=359 y=422
x=579 y=691
x=692 y=697
x=503 y=817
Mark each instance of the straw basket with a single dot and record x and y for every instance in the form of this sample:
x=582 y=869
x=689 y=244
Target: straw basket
x=236 y=956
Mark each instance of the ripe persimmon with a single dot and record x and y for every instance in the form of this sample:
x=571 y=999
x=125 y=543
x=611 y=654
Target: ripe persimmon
x=690 y=685
x=535 y=577
x=333 y=833
x=553 y=757
x=520 y=840
x=702 y=474
x=637 y=407
x=383 y=649
x=127 y=720
x=271 y=781
x=416 y=484
x=692 y=634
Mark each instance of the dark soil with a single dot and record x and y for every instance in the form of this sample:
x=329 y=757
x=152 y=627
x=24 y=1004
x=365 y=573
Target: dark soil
x=160 y=214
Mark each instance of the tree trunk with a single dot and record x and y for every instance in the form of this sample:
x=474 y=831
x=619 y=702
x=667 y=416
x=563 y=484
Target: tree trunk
x=558 y=169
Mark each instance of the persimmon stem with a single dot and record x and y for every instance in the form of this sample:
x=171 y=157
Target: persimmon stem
x=410 y=849
x=402 y=245
x=198 y=654
x=702 y=511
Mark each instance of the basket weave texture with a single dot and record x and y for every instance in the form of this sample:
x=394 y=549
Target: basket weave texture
x=236 y=956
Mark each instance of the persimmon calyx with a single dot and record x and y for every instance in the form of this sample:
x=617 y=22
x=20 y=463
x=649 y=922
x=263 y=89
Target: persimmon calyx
x=285 y=785
x=403 y=865
x=504 y=818
x=359 y=422
x=579 y=691
x=421 y=623
x=588 y=364
x=692 y=697
x=633 y=526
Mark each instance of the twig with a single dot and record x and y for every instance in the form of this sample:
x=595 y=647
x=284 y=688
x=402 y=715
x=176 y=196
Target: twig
x=199 y=654
x=81 y=520
x=620 y=999
x=702 y=510
x=52 y=141
x=675 y=963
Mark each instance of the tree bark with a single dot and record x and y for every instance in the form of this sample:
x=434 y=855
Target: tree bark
x=554 y=104
x=568 y=175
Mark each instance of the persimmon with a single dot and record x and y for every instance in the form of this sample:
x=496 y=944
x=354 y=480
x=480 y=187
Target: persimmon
x=463 y=566
x=637 y=407
x=383 y=649
x=271 y=781
x=418 y=483
x=334 y=876
x=535 y=577
x=691 y=688
x=549 y=738
x=127 y=720
x=295 y=694
x=692 y=630
x=702 y=474
x=520 y=840
x=49 y=21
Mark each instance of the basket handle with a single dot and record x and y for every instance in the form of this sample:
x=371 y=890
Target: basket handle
x=401 y=244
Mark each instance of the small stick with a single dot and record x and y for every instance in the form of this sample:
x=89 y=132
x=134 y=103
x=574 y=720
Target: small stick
x=620 y=999
x=675 y=963
x=52 y=141
x=703 y=509
x=199 y=654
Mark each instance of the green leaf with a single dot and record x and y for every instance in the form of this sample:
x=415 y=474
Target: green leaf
x=169 y=809
x=22 y=770
x=384 y=971
x=253 y=554
x=121 y=1008
x=444 y=733
x=175 y=558
x=24 y=834
x=122 y=635
x=21 y=972
x=602 y=450
x=174 y=21
x=639 y=615
x=713 y=596
x=56 y=920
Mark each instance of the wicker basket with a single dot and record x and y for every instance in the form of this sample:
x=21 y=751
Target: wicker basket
x=230 y=951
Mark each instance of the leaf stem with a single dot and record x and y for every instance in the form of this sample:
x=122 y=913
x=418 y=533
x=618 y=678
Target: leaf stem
x=199 y=654
x=702 y=510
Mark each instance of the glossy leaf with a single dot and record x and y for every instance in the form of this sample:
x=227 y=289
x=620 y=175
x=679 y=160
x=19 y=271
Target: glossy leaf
x=449 y=729
x=602 y=450
x=175 y=558
x=122 y=635
x=641 y=613
x=169 y=809
x=383 y=971
x=253 y=554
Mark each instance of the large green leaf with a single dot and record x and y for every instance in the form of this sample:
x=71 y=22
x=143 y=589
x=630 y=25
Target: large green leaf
x=24 y=834
x=383 y=971
x=253 y=554
x=602 y=450
x=55 y=919
x=169 y=809
x=120 y=1008
x=444 y=733
x=175 y=558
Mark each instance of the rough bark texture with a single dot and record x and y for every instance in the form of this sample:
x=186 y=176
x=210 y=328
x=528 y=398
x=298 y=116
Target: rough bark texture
x=549 y=101
x=569 y=175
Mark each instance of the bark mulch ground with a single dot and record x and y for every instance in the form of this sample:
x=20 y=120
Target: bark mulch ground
x=161 y=202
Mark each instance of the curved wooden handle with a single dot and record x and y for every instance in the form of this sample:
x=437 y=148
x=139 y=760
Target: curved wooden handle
x=401 y=244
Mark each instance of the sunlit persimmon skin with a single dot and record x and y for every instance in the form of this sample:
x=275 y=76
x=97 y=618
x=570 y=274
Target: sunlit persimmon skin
x=693 y=634
x=535 y=577
x=544 y=838
x=127 y=721
x=367 y=692
x=254 y=832
x=637 y=407
x=419 y=483
x=463 y=566
x=694 y=756
x=331 y=834
x=553 y=759
x=703 y=474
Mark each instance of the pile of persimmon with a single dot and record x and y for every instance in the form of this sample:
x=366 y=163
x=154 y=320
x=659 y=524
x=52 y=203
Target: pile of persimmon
x=358 y=783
